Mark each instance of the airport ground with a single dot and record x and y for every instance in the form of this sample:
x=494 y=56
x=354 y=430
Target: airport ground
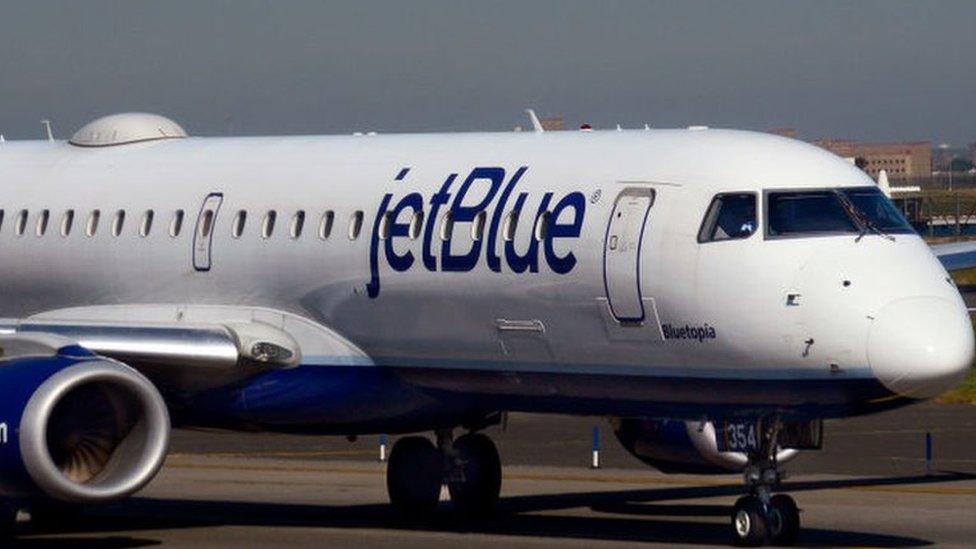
x=869 y=486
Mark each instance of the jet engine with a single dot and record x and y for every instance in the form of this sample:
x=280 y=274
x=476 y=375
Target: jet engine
x=677 y=446
x=76 y=427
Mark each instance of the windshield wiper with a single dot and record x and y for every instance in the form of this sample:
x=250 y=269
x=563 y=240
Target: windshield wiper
x=863 y=221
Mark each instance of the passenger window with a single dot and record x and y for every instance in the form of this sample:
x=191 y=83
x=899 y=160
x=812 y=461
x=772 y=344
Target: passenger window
x=118 y=223
x=240 y=221
x=478 y=226
x=385 y=226
x=542 y=226
x=730 y=216
x=511 y=223
x=325 y=225
x=447 y=226
x=297 y=224
x=147 y=220
x=67 y=220
x=267 y=228
x=416 y=224
x=207 y=225
x=355 y=225
x=42 y=221
x=92 y=226
x=177 y=224
x=21 y=223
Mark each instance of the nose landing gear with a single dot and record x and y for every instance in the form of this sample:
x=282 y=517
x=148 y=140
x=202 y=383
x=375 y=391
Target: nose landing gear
x=469 y=466
x=761 y=517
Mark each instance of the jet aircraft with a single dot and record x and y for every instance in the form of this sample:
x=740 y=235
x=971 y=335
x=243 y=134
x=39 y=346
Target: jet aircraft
x=716 y=293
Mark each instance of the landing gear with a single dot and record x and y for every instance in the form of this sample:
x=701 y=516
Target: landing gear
x=414 y=475
x=749 y=521
x=474 y=475
x=762 y=517
x=469 y=466
x=784 y=520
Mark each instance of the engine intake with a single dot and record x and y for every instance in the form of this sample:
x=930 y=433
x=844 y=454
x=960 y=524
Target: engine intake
x=91 y=430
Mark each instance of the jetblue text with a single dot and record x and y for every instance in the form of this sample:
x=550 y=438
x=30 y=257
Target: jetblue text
x=464 y=202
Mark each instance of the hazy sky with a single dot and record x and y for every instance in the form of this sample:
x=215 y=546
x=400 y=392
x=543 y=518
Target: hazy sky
x=869 y=69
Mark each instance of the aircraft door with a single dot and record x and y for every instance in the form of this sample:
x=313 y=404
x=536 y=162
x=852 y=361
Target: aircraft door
x=622 y=252
x=203 y=233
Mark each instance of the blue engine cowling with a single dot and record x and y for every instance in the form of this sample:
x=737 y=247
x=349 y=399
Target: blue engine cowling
x=678 y=446
x=74 y=426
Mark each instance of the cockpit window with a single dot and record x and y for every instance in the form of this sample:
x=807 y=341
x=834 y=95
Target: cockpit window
x=877 y=210
x=807 y=212
x=730 y=216
x=833 y=211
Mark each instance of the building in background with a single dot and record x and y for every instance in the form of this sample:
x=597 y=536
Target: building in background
x=900 y=160
x=552 y=124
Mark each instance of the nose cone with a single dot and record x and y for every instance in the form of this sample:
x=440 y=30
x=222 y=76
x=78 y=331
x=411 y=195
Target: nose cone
x=921 y=347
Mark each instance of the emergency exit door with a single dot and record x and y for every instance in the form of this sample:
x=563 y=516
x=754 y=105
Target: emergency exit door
x=203 y=233
x=622 y=254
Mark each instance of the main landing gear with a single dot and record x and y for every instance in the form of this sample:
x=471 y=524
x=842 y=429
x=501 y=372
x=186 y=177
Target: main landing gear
x=761 y=517
x=469 y=466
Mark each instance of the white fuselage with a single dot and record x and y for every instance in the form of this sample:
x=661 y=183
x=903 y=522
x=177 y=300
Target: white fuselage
x=749 y=310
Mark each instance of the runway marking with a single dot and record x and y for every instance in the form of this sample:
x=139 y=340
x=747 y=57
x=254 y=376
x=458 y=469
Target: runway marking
x=935 y=490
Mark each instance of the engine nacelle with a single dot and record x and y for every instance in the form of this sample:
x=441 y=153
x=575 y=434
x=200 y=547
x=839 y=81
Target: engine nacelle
x=74 y=426
x=677 y=446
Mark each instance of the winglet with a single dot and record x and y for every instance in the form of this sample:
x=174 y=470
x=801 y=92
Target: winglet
x=536 y=125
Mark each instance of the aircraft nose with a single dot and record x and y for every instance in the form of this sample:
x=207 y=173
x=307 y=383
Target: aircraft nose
x=921 y=347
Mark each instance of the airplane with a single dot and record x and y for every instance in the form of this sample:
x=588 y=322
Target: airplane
x=718 y=293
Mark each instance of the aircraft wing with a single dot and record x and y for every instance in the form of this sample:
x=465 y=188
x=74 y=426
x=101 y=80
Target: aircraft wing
x=175 y=356
x=956 y=256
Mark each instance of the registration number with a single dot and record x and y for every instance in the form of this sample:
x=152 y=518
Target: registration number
x=738 y=436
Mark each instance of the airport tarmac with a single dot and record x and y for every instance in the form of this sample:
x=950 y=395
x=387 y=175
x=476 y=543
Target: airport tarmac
x=868 y=487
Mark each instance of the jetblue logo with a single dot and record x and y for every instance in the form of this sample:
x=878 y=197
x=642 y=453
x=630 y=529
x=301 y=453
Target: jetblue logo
x=3 y=433
x=464 y=201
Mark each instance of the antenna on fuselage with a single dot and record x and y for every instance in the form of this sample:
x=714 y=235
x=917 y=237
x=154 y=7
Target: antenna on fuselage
x=536 y=125
x=47 y=126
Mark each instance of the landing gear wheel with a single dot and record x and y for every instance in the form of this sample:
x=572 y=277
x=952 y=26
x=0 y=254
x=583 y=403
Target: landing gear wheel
x=784 y=520
x=414 y=475
x=749 y=525
x=477 y=480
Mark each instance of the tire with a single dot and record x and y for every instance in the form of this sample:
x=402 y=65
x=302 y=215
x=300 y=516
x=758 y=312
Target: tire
x=414 y=476
x=784 y=520
x=475 y=491
x=749 y=526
